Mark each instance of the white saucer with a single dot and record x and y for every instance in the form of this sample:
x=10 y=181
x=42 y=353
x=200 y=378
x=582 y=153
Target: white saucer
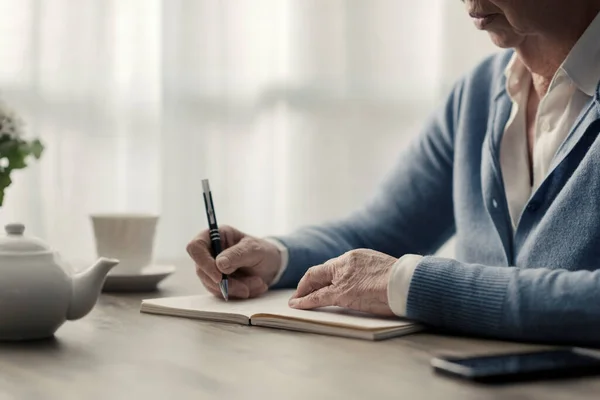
x=146 y=281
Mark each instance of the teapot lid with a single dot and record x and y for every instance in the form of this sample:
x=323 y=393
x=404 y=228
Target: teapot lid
x=15 y=242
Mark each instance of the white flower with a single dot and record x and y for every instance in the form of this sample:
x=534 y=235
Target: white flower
x=10 y=123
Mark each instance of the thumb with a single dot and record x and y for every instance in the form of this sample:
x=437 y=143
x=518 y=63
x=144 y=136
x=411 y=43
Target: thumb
x=246 y=253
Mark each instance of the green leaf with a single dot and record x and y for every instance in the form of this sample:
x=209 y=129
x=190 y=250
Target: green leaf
x=16 y=152
x=16 y=157
x=5 y=182
x=8 y=147
x=16 y=161
x=24 y=148
x=36 y=148
x=6 y=138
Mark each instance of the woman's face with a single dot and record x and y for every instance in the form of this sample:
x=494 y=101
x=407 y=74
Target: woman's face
x=509 y=22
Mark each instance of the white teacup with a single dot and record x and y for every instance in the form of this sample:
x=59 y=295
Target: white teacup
x=126 y=237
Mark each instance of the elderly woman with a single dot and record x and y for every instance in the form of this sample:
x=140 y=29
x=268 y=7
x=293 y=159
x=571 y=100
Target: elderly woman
x=510 y=164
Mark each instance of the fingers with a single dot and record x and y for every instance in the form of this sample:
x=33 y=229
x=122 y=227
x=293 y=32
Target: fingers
x=242 y=252
x=320 y=298
x=315 y=288
x=199 y=250
x=315 y=279
x=239 y=287
x=247 y=253
x=255 y=285
x=208 y=283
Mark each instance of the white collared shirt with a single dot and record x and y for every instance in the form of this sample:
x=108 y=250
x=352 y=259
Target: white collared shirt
x=557 y=113
x=572 y=86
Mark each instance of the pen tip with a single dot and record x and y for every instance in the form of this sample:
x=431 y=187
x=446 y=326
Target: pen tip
x=224 y=289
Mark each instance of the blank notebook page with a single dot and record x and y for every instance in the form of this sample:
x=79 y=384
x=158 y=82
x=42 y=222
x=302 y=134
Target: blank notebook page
x=276 y=303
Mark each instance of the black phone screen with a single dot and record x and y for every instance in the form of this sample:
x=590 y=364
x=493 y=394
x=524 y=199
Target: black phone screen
x=524 y=365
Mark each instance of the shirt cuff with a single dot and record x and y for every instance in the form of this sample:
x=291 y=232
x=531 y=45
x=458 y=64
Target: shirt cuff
x=399 y=283
x=283 y=251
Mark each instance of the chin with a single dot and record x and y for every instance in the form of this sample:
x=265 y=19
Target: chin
x=505 y=39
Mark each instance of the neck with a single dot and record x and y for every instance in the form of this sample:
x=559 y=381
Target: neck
x=543 y=54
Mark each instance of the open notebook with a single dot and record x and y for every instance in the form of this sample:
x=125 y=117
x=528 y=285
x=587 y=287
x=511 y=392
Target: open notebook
x=272 y=310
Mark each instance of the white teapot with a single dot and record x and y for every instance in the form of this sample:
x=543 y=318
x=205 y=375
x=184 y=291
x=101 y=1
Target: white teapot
x=38 y=291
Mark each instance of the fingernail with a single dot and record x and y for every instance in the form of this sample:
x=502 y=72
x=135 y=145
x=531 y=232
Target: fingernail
x=293 y=302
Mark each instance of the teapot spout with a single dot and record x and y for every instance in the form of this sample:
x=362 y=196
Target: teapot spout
x=87 y=286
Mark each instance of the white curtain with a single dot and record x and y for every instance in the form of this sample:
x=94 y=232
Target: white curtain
x=294 y=109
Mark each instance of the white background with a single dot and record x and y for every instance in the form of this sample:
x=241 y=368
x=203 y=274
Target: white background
x=293 y=108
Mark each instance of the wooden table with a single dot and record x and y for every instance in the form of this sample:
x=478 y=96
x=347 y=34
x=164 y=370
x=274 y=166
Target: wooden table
x=118 y=353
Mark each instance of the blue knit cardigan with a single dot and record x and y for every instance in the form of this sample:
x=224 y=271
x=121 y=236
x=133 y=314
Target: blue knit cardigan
x=538 y=282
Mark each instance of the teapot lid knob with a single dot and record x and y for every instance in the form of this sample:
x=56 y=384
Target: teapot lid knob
x=15 y=229
x=16 y=242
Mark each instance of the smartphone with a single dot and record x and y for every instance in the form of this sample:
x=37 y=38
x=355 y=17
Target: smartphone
x=512 y=367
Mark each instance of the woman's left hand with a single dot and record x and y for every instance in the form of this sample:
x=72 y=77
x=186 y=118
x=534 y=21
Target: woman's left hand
x=357 y=280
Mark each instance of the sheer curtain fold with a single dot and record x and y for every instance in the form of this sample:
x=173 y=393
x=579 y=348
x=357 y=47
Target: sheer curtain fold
x=292 y=108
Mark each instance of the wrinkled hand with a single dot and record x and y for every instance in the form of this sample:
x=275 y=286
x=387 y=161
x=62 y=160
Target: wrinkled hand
x=357 y=280
x=250 y=263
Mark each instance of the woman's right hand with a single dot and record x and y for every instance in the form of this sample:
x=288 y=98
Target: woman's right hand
x=250 y=263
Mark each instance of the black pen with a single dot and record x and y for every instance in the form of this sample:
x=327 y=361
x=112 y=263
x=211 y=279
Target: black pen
x=215 y=237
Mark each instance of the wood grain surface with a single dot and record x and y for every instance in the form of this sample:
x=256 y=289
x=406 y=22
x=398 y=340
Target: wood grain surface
x=118 y=353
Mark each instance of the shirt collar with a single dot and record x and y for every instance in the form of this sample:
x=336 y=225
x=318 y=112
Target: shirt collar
x=517 y=76
x=582 y=65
